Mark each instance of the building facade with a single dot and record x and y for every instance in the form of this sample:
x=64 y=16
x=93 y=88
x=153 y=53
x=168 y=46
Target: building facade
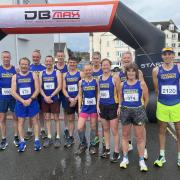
x=111 y=47
x=172 y=35
x=108 y=45
x=22 y=45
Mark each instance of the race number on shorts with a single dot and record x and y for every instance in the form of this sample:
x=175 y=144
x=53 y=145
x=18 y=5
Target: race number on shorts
x=104 y=94
x=131 y=97
x=169 y=89
x=49 y=85
x=90 y=101
x=6 y=91
x=25 y=91
x=72 y=88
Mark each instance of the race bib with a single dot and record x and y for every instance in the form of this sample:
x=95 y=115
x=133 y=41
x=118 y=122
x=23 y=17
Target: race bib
x=90 y=101
x=25 y=91
x=49 y=85
x=104 y=94
x=134 y=97
x=6 y=91
x=169 y=89
x=72 y=88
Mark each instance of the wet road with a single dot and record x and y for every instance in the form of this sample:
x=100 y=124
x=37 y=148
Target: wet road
x=62 y=164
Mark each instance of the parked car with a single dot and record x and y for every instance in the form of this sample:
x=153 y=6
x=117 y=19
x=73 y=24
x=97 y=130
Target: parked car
x=115 y=67
x=82 y=63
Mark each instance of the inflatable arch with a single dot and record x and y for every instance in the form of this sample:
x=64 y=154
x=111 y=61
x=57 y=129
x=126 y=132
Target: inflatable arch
x=99 y=16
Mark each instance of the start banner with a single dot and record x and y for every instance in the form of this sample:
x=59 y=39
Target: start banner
x=80 y=17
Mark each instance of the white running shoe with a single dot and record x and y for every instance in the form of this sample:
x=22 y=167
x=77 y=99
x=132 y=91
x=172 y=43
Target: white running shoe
x=143 y=166
x=124 y=163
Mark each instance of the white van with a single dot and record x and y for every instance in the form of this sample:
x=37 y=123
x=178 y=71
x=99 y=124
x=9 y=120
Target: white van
x=116 y=66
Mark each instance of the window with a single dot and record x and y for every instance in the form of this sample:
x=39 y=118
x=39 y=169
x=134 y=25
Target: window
x=178 y=53
x=173 y=36
x=179 y=44
x=166 y=35
x=117 y=53
x=173 y=45
x=171 y=27
x=107 y=54
x=107 y=43
x=118 y=43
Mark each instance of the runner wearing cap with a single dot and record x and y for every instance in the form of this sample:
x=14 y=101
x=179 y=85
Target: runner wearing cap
x=166 y=79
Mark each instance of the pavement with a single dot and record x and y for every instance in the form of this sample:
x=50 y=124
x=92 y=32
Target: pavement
x=63 y=164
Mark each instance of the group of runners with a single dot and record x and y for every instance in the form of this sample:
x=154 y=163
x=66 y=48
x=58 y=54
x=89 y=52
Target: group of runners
x=36 y=92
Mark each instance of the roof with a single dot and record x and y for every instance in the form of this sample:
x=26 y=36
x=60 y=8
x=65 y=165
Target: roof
x=165 y=25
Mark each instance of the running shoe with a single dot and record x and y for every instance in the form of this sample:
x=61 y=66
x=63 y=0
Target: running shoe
x=28 y=135
x=124 y=163
x=66 y=134
x=115 y=158
x=143 y=166
x=145 y=154
x=81 y=149
x=69 y=142
x=47 y=142
x=130 y=147
x=43 y=134
x=106 y=154
x=96 y=141
x=178 y=163
x=22 y=146
x=93 y=149
x=3 y=144
x=16 y=141
x=160 y=161
x=57 y=143
x=37 y=145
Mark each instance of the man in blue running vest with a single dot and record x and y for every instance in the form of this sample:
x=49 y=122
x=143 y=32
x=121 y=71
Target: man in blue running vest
x=166 y=79
x=25 y=89
x=6 y=100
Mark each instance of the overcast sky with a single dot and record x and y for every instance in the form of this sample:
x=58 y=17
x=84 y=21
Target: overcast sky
x=153 y=10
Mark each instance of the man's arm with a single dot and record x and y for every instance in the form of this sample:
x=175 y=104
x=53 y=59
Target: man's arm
x=14 y=88
x=59 y=83
x=36 y=85
x=155 y=80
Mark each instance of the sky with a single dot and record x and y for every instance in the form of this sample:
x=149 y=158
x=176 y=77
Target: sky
x=153 y=10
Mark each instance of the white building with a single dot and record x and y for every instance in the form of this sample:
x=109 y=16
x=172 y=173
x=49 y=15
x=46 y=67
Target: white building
x=172 y=35
x=111 y=47
x=108 y=45
x=22 y=45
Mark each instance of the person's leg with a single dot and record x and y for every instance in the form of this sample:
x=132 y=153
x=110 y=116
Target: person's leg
x=139 y=132
x=3 y=124
x=126 y=131
x=177 y=127
x=3 y=143
x=15 y=127
x=162 y=137
x=21 y=128
x=47 y=117
x=35 y=123
x=106 y=127
x=22 y=144
x=114 y=125
x=93 y=126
